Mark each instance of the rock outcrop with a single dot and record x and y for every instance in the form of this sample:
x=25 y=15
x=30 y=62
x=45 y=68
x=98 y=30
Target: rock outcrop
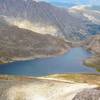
x=88 y=94
x=93 y=45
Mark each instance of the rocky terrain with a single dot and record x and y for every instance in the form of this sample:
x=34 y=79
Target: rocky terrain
x=93 y=45
x=86 y=12
x=21 y=44
x=89 y=94
x=44 y=18
x=21 y=21
x=28 y=88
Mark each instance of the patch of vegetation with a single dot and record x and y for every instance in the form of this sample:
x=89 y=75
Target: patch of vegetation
x=93 y=62
x=2 y=53
x=4 y=58
x=84 y=78
x=1 y=62
x=14 y=78
x=88 y=63
x=98 y=70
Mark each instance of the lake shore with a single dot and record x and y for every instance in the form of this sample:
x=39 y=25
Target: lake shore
x=71 y=78
x=14 y=59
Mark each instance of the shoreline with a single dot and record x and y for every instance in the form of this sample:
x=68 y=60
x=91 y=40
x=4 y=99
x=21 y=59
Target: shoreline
x=15 y=59
x=73 y=77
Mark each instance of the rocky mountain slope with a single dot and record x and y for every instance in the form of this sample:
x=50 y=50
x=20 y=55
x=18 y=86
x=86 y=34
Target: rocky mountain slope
x=44 y=18
x=17 y=43
x=87 y=13
x=93 y=44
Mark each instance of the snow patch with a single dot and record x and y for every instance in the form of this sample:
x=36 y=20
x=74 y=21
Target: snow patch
x=91 y=18
x=79 y=8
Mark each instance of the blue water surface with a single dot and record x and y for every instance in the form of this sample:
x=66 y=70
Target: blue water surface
x=71 y=62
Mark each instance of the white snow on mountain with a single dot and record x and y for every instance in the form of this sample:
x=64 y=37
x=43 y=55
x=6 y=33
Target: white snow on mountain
x=85 y=12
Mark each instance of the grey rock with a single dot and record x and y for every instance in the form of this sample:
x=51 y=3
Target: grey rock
x=89 y=94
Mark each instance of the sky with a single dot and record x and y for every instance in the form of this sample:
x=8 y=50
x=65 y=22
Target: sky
x=87 y=2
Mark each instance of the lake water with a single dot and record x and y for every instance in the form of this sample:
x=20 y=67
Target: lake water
x=71 y=62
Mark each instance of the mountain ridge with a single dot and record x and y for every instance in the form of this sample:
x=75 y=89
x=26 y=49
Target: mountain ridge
x=42 y=14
